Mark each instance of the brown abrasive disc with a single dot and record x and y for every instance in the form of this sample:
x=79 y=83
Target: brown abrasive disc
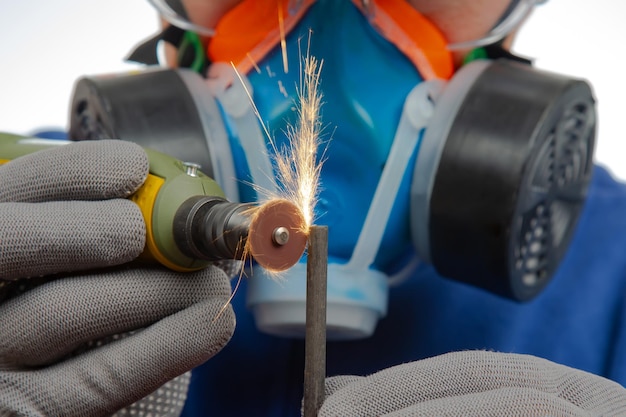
x=277 y=235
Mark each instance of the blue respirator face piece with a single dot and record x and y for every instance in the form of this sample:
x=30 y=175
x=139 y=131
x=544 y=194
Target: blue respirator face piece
x=482 y=176
x=361 y=108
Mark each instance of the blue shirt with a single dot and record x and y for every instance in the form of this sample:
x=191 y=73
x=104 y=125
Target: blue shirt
x=579 y=320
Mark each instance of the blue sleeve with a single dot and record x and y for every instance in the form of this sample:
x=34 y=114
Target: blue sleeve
x=616 y=363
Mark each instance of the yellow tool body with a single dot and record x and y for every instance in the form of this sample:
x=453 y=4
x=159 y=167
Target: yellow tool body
x=169 y=184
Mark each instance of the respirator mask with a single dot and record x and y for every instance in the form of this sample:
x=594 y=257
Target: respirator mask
x=481 y=173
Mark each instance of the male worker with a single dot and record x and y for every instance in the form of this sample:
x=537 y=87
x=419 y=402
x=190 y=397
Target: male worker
x=86 y=336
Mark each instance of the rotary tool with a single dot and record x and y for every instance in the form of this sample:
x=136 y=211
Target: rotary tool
x=189 y=222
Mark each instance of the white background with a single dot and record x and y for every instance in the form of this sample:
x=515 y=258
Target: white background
x=46 y=45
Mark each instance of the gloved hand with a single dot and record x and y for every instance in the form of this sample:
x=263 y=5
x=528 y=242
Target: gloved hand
x=475 y=383
x=88 y=344
x=81 y=219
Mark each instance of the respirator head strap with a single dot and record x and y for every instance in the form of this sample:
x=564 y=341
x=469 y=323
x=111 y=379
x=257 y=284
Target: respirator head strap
x=494 y=52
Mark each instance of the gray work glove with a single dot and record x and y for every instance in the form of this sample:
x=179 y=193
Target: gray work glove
x=475 y=383
x=78 y=343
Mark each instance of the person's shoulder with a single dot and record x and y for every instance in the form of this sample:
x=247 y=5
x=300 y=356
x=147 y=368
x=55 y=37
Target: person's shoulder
x=606 y=194
x=604 y=180
x=602 y=223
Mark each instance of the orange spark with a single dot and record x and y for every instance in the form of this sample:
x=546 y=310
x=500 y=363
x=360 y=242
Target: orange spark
x=283 y=41
x=297 y=165
x=254 y=64
x=298 y=169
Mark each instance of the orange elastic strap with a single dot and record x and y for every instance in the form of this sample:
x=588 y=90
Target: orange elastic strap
x=413 y=34
x=247 y=33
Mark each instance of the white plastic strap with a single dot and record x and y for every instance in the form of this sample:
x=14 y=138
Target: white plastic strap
x=417 y=111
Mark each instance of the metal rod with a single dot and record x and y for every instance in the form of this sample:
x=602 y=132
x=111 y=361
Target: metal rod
x=315 y=333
